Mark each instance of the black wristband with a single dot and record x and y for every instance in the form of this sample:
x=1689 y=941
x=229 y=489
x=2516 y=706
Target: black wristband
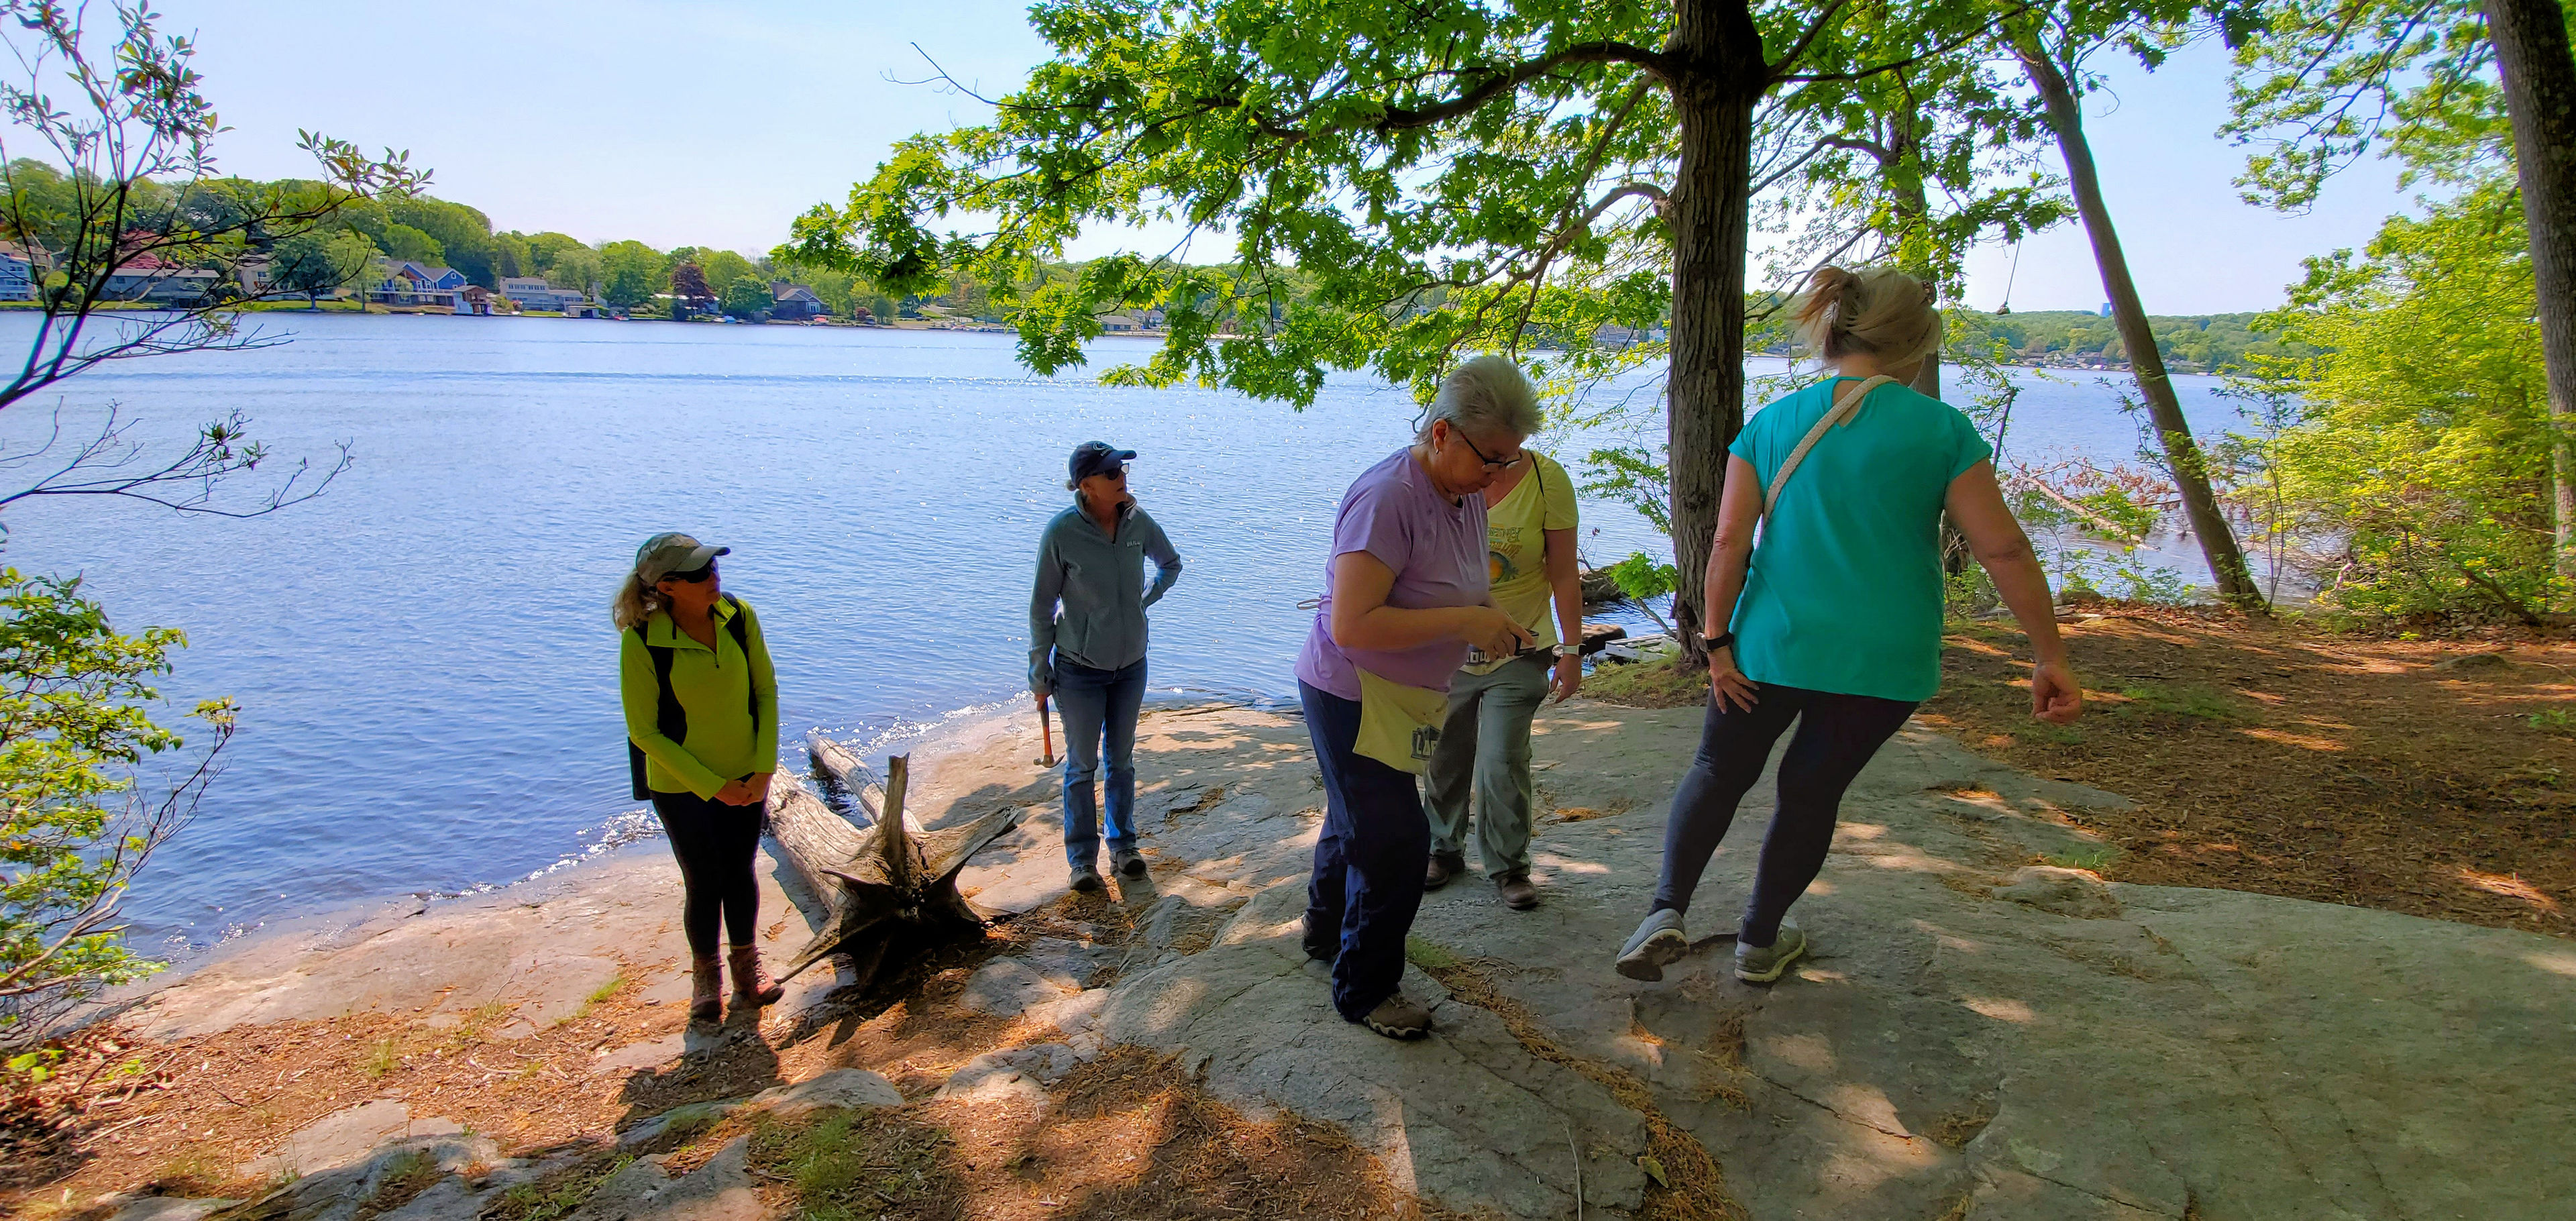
x=1719 y=641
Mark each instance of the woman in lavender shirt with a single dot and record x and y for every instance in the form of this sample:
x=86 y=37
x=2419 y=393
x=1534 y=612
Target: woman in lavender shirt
x=1409 y=596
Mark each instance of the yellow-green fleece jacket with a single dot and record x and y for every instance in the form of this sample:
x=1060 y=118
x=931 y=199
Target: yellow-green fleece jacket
x=716 y=687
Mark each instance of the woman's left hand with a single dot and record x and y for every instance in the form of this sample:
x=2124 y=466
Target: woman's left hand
x=758 y=783
x=1569 y=677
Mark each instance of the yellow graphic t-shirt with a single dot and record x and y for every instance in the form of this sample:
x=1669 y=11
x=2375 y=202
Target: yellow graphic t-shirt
x=1516 y=545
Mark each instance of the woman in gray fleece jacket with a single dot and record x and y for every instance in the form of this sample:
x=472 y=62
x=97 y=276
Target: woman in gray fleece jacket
x=1087 y=647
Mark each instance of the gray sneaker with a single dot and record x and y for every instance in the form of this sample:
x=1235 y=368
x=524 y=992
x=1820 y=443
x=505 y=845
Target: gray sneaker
x=1086 y=880
x=1762 y=964
x=1398 y=1018
x=1128 y=862
x=1658 y=941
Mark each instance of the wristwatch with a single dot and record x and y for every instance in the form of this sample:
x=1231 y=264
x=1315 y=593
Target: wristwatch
x=1719 y=641
x=1569 y=650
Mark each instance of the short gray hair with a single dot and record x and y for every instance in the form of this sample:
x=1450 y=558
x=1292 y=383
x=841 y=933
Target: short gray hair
x=1488 y=394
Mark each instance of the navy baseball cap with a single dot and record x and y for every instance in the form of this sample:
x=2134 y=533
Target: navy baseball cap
x=1095 y=457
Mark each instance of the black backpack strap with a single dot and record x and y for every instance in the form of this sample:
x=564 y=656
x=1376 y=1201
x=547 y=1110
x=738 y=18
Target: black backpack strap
x=668 y=716
x=740 y=626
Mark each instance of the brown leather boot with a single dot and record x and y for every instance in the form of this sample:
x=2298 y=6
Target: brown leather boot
x=706 y=988
x=752 y=986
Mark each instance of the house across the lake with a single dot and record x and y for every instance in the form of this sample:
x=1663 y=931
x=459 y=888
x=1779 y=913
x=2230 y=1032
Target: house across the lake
x=532 y=292
x=146 y=277
x=20 y=266
x=795 y=303
x=409 y=284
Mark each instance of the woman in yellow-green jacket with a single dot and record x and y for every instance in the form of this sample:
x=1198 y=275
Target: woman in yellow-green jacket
x=702 y=724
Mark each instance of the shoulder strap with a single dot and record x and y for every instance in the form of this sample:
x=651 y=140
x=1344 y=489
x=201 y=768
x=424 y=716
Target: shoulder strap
x=1846 y=405
x=668 y=716
x=740 y=626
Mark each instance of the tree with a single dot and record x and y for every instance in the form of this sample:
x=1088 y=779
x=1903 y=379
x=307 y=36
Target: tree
x=544 y=249
x=631 y=273
x=404 y=244
x=462 y=233
x=135 y=157
x=577 y=268
x=2052 y=48
x=74 y=826
x=725 y=267
x=747 y=297
x=2450 y=86
x=689 y=284
x=319 y=261
x=2424 y=435
x=1445 y=175
x=135 y=194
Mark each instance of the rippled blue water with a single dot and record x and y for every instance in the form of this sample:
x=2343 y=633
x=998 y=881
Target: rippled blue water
x=423 y=656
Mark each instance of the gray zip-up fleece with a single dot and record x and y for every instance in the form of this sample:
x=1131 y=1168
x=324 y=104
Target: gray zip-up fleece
x=1101 y=583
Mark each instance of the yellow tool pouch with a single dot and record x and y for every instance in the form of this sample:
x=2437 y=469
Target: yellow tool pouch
x=1399 y=725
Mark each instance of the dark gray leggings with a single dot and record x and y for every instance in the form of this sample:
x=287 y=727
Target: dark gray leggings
x=1836 y=736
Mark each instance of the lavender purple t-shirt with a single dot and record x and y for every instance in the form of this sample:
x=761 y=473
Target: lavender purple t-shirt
x=1437 y=552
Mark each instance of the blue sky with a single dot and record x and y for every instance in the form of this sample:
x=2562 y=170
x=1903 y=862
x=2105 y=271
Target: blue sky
x=715 y=124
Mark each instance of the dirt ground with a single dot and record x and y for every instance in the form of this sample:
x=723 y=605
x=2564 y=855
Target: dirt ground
x=2436 y=778
x=1125 y=1136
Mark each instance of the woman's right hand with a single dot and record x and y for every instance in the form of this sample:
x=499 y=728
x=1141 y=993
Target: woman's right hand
x=738 y=793
x=1733 y=690
x=1494 y=633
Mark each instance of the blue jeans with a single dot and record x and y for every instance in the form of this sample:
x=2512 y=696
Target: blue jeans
x=1098 y=704
x=1369 y=857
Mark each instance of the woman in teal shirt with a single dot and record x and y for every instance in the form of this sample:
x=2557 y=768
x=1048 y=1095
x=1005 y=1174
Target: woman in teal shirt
x=1834 y=620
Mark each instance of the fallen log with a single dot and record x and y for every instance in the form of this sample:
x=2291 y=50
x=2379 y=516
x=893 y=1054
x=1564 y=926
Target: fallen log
x=893 y=881
x=842 y=767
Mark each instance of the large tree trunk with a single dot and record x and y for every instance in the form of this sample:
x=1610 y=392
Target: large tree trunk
x=1714 y=90
x=2182 y=455
x=2540 y=95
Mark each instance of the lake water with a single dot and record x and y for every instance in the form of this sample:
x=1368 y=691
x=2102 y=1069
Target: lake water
x=423 y=657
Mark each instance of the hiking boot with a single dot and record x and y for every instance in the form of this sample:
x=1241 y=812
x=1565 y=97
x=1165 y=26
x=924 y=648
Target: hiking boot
x=1658 y=941
x=1444 y=866
x=1086 y=880
x=1127 y=862
x=706 y=988
x=752 y=986
x=1517 y=892
x=1762 y=964
x=1398 y=1018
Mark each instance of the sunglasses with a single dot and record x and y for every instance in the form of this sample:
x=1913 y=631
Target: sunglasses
x=693 y=577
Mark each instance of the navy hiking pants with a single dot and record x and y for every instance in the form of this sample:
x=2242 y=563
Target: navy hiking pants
x=1369 y=859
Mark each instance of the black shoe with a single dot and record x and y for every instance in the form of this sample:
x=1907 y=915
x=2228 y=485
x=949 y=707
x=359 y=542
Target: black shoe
x=1444 y=866
x=1127 y=863
x=1323 y=949
x=1086 y=880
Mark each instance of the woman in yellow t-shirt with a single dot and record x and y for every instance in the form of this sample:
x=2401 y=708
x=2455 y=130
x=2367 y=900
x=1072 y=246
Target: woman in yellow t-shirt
x=1484 y=748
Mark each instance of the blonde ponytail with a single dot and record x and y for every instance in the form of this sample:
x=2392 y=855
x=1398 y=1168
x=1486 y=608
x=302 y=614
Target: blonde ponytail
x=635 y=604
x=1878 y=311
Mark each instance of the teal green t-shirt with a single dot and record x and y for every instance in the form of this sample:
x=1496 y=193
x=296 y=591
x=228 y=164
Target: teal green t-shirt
x=1844 y=593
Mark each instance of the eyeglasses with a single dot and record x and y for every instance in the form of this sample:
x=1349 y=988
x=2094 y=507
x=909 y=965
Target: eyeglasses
x=1115 y=472
x=693 y=577
x=1490 y=464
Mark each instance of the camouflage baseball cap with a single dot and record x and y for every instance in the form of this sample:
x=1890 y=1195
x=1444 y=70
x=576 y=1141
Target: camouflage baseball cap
x=670 y=552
